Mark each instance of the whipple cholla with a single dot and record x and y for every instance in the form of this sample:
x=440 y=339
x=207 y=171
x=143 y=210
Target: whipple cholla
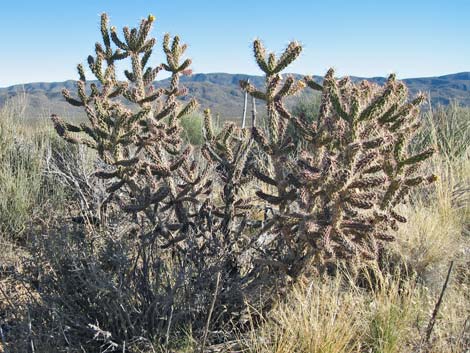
x=336 y=195
x=187 y=218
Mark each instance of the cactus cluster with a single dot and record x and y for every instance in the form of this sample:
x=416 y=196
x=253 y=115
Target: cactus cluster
x=187 y=228
x=135 y=127
x=332 y=197
x=337 y=197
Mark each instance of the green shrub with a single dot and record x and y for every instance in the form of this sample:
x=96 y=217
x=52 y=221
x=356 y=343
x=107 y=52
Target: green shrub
x=308 y=107
x=21 y=172
x=192 y=129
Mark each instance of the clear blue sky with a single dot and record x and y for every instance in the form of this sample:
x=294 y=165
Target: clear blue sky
x=43 y=40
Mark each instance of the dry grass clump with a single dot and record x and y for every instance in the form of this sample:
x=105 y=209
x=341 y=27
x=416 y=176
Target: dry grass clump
x=438 y=230
x=316 y=317
x=338 y=316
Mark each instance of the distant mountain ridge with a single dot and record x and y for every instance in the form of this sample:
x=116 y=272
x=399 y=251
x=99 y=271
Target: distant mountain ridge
x=221 y=92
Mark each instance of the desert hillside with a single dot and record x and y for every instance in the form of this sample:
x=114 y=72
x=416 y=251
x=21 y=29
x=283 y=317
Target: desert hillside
x=222 y=94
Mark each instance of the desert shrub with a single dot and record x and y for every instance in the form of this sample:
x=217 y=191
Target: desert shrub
x=166 y=230
x=29 y=190
x=446 y=127
x=157 y=198
x=23 y=185
x=308 y=107
x=192 y=129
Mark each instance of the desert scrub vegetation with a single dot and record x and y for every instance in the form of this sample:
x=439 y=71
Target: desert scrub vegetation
x=25 y=189
x=320 y=229
x=19 y=180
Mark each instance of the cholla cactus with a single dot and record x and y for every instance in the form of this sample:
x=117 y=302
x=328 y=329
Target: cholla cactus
x=361 y=169
x=139 y=141
x=338 y=197
x=229 y=150
x=184 y=236
x=275 y=91
x=276 y=143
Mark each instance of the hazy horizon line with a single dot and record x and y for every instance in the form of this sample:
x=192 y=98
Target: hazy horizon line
x=249 y=74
